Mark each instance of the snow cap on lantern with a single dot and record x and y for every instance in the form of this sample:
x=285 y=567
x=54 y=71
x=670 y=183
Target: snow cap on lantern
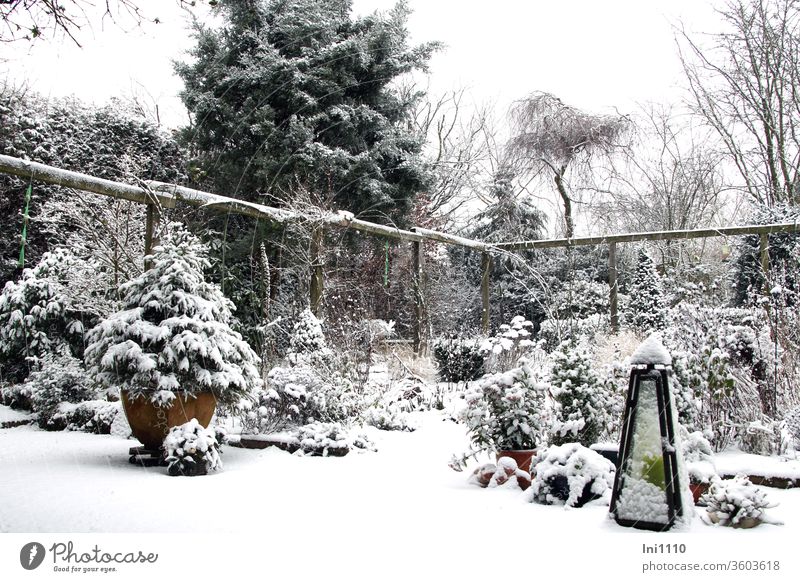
x=651 y=351
x=651 y=483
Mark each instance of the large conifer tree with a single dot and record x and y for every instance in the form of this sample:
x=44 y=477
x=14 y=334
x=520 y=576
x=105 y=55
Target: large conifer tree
x=291 y=94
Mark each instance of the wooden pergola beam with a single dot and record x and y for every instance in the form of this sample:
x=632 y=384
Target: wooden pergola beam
x=760 y=229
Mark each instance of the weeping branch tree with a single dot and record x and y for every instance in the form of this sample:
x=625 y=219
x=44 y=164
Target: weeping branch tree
x=554 y=137
x=744 y=85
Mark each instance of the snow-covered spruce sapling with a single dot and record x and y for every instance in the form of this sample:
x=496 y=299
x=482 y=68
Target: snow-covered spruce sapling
x=505 y=411
x=191 y=449
x=570 y=474
x=307 y=344
x=581 y=398
x=173 y=334
x=647 y=306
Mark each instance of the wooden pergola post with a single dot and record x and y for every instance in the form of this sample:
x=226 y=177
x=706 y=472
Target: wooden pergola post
x=486 y=266
x=613 y=286
x=418 y=324
x=151 y=226
x=317 y=282
x=764 y=255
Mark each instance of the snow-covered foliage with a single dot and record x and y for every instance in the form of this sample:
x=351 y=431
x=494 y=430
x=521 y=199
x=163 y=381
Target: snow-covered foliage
x=725 y=365
x=459 y=359
x=734 y=501
x=647 y=306
x=410 y=394
x=317 y=130
x=792 y=424
x=505 y=411
x=784 y=255
x=60 y=378
x=300 y=395
x=388 y=418
x=508 y=345
x=173 y=333
x=191 y=449
x=699 y=457
x=555 y=331
x=42 y=313
x=307 y=344
x=570 y=474
x=579 y=311
x=113 y=141
x=582 y=400
x=93 y=416
x=326 y=439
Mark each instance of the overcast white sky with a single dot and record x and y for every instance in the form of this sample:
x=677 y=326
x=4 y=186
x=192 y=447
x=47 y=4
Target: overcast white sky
x=593 y=54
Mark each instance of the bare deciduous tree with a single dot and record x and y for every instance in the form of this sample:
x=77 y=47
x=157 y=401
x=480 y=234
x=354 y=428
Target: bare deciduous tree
x=745 y=86
x=459 y=139
x=670 y=179
x=31 y=19
x=552 y=136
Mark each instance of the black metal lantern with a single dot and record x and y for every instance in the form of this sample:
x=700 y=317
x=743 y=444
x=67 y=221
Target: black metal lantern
x=647 y=487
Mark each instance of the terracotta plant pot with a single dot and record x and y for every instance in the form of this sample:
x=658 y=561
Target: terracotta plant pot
x=150 y=423
x=746 y=523
x=523 y=459
x=697 y=489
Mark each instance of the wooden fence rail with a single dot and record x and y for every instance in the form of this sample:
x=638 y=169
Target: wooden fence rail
x=159 y=195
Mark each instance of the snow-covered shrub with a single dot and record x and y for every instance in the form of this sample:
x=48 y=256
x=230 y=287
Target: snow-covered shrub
x=760 y=437
x=504 y=349
x=40 y=314
x=581 y=298
x=505 y=411
x=307 y=344
x=410 y=394
x=647 y=306
x=570 y=474
x=582 y=400
x=684 y=397
x=735 y=501
x=699 y=457
x=59 y=379
x=173 y=333
x=459 y=359
x=784 y=254
x=328 y=439
x=552 y=332
x=792 y=424
x=389 y=418
x=302 y=394
x=191 y=449
x=94 y=416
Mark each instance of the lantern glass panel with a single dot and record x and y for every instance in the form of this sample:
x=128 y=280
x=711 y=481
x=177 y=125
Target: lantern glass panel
x=643 y=495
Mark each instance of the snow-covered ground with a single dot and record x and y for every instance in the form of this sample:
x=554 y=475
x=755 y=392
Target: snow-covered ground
x=401 y=506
